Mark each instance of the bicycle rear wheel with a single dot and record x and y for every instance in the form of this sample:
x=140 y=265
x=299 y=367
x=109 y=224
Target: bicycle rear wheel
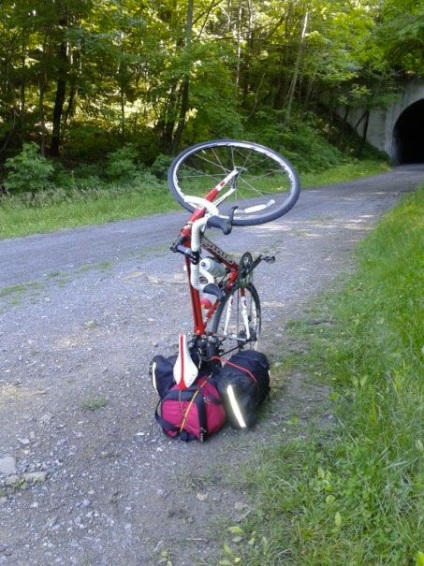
x=237 y=321
x=265 y=187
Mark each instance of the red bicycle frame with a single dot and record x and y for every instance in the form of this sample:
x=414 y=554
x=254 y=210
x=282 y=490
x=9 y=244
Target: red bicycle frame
x=200 y=321
x=184 y=245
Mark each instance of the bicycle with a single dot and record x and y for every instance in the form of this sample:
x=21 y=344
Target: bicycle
x=225 y=183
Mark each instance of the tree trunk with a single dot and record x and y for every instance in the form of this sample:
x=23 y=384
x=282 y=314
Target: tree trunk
x=185 y=97
x=185 y=87
x=42 y=114
x=166 y=122
x=293 y=84
x=59 y=101
x=22 y=95
x=364 y=133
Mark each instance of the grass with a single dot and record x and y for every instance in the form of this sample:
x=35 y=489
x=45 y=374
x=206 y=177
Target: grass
x=354 y=493
x=17 y=289
x=53 y=210
x=15 y=293
x=49 y=212
x=345 y=172
x=95 y=403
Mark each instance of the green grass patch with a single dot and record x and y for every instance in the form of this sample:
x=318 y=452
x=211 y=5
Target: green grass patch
x=95 y=403
x=16 y=289
x=353 y=493
x=51 y=210
x=344 y=172
x=14 y=293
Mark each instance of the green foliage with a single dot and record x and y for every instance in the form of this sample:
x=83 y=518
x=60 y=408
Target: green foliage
x=309 y=150
x=160 y=166
x=121 y=164
x=313 y=142
x=90 y=77
x=28 y=171
x=88 y=142
x=400 y=35
x=353 y=493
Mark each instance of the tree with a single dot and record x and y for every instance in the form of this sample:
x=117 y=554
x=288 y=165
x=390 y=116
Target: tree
x=401 y=35
x=84 y=77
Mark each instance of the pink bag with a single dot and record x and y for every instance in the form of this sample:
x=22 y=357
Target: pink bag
x=193 y=413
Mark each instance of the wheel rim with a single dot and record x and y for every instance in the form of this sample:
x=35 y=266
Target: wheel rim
x=265 y=187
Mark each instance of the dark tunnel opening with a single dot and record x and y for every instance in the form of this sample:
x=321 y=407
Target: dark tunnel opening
x=408 y=134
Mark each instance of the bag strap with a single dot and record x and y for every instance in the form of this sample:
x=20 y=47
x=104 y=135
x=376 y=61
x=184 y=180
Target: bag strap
x=199 y=400
x=189 y=406
x=243 y=369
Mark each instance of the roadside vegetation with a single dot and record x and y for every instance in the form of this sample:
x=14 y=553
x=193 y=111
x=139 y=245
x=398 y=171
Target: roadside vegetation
x=352 y=492
x=41 y=195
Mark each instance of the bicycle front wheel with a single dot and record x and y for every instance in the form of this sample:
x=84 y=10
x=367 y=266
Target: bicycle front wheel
x=237 y=321
x=265 y=185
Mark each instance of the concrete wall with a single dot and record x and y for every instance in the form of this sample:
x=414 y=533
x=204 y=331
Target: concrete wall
x=382 y=124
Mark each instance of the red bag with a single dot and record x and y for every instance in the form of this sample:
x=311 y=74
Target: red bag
x=193 y=413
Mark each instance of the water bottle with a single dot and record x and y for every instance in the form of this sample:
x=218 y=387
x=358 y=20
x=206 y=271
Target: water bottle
x=213 y=267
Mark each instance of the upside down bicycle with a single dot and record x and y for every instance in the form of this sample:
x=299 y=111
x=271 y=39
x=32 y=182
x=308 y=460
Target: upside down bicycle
x=225 y=183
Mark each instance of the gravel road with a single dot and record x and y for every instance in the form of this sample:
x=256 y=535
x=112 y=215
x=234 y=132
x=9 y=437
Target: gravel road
x=86 y=475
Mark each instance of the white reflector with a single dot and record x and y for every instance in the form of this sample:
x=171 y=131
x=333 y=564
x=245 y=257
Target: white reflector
x=235 y=407
x=154 y=376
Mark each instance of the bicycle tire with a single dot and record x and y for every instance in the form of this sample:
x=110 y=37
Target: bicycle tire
x=266 y=186
x=227 y=326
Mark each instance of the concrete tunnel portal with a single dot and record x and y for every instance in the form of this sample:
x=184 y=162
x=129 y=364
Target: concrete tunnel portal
x=408 y=134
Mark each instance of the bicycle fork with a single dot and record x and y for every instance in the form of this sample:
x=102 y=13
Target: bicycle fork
x=244 y=317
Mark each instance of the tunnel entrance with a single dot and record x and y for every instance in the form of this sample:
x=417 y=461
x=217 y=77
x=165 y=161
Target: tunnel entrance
x=408 y=134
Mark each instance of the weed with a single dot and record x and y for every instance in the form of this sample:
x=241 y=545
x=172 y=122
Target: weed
x=95 y=403
x=165 y=558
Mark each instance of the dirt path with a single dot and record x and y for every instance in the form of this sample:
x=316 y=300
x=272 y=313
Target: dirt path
x=86 y=476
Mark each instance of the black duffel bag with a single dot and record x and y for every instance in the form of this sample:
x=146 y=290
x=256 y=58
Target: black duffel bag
x=244 y=384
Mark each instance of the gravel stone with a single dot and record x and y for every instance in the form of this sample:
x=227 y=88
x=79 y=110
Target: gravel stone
x=7 y=466
x=82 y=313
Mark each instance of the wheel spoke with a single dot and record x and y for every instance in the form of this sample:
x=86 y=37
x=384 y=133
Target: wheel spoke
x=266 y=183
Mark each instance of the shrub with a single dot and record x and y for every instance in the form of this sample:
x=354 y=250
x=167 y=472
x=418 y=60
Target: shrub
x=28 y=171
x=160 y=166
x=122 y=164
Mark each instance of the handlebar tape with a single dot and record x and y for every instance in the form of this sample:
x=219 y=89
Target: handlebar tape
x=224 y=224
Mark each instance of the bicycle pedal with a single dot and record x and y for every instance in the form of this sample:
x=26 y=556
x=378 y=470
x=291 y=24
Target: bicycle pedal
x=268 y=258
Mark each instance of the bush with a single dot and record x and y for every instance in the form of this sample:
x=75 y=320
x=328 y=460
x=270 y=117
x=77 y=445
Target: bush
x=28 y=171
x=160 y=166
x=122 y=164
